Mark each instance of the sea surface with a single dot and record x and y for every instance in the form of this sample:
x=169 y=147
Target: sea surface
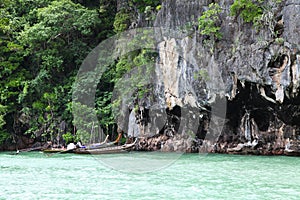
x=36 y=175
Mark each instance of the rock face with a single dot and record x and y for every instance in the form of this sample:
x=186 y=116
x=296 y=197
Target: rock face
x=255 y=74
x=178 y=143
x=291 y=21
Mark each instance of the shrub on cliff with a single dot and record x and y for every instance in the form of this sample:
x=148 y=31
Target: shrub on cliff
x=122 y=21
x=247 y=9
x=250 y=10
x=208 y=22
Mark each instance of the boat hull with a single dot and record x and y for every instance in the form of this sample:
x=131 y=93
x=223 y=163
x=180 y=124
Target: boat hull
x=58 y=150
x=107 y=150
x=292 y=153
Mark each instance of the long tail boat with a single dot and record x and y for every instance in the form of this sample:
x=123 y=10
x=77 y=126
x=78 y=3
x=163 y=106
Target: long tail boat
x=56 y=150
x=291 y=153
x=89 y=147
x=104 y=143
x=30 y=149
x=95 y=145
x=108 y=150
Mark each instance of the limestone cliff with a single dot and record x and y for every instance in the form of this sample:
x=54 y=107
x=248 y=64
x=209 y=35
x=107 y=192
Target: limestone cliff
x=253 y=73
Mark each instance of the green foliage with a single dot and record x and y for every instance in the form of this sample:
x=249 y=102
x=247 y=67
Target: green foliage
x=68 y=137
x=279 y=41
x=134 y=71
x=249 y=10
x=104 y=111
x=201 y=74
x=84 y=121
x=122 y=21
x=107 y=14
x=142 y=4
x=150 y=13
x=56 y=42
x=58 y=25
x=3 y=136
x=268 y=19
x=42 y=45
x=158 y=7
x=3 y=111
x=12 y=74
x=208 y=22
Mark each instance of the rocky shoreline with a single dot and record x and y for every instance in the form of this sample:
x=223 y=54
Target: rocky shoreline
x=187 y=144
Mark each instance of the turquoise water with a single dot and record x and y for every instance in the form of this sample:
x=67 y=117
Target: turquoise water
x=36 y=175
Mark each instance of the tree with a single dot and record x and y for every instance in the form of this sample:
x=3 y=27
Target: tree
x=55 y=44
x=42 y=45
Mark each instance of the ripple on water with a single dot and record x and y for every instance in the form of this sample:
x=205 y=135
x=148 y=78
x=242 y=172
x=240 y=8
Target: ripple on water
x=191 y=176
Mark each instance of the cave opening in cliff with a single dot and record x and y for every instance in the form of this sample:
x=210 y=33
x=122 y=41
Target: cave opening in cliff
x=277 y=61
x=249 y=100
x=262 y=118
x=174 y=116
x=173 y=121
